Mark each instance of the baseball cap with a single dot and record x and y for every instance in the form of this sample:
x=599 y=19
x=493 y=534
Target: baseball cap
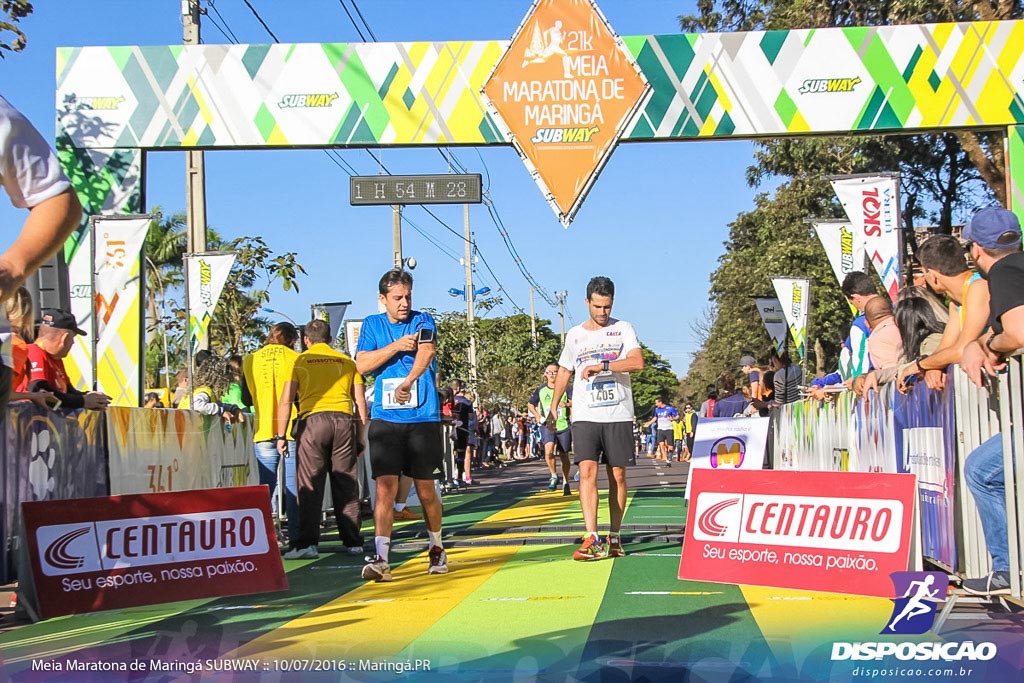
x=747 y=360
x=993 y=228
x=61 y=319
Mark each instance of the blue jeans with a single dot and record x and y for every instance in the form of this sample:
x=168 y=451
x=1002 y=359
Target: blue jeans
x=268 y=458
x=983 y=471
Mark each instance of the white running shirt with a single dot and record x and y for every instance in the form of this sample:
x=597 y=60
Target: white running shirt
x=607 y=397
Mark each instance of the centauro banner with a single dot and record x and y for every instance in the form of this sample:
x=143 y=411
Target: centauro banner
x=872 y=204
x=565 y=88
x=774 y=319
x=795 y=296
x=206 y=275
x=117 y=242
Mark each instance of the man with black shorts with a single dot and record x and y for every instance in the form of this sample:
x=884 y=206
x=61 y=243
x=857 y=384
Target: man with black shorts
x=561 y=436
x=399 y=348
x=601 y=352
x=663 y=415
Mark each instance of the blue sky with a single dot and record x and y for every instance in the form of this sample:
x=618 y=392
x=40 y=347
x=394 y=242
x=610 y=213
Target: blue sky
x=654 y=222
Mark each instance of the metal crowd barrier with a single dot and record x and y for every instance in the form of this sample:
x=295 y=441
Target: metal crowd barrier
x=853 y=435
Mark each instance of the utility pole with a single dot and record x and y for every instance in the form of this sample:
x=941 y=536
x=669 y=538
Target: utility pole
x=396 y=234
x=469 y=298
x=561 y=310
x=533 y=320
x=195 y=166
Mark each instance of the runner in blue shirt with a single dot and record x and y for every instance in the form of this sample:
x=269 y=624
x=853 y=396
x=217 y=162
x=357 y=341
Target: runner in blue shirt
x=663 y=415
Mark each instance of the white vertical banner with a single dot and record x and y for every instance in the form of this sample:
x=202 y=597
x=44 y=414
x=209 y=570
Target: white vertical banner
x=206 y=274
x=843 y=245
x=352 y=330
x=117 y=293
x=795 y=296
x=871 y=202
x=774 y=319
x=333 y=314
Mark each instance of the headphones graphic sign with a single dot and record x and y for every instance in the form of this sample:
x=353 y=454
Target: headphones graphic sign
x=729 y=450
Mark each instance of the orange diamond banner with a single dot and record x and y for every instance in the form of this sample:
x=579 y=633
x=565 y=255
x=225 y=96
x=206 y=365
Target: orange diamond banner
x=565 y=88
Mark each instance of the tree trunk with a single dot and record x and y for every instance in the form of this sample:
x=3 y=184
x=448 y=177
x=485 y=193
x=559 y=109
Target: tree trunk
x=992 y=168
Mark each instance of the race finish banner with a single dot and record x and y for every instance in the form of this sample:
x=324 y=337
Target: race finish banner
x=126 y=551
x=774 y=319
x=837 y=532
x=205 y=274
x=565 y=88
x=795 y=296
x=333 y=314
x=117 y=289
x=872 y=203
x=732 y=443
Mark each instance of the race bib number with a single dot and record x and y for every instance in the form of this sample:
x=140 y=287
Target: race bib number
x=603 y=392
x=388 y=401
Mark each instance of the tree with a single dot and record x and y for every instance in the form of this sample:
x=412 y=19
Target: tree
x=15 y=10
x=656 y=380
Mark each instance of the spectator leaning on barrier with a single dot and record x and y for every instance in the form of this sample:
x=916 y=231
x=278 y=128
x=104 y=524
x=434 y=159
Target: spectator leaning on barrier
x=731 y=403
x=33 y=180
x=210 y=380
x=57 y=330
x=19 y=313
x=854 y=359
x=947 y=274
x=787 y=378
x=329 y=436
x=920 y=318
x=884 y=342
x=994 y=239
x=748 y=366
x=265 y=373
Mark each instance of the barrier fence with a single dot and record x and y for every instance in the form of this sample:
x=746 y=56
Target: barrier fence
x=927 y=433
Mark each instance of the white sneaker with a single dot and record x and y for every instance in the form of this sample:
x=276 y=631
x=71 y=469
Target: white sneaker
x=354 y=549
x=307 y=553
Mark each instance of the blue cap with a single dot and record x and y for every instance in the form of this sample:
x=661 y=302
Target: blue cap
x=993 y=228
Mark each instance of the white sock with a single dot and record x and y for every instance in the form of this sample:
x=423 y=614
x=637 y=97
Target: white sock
x=597 y=537
x=435 y=538
x=400 y=506
x=383 y=545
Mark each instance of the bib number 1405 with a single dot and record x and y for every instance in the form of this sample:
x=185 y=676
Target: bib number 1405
x=603 y=393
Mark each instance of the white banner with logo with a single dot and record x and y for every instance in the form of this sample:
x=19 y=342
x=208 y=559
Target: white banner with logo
x=774 y=319
x=206 y=275
x=795 y=297
x=729 y=443
x=117 y=290
x=352 y=330
x=843 y=245
x=333 y=314
x=872 y=204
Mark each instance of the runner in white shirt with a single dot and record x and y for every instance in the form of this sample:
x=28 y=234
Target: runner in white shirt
x=601 y=352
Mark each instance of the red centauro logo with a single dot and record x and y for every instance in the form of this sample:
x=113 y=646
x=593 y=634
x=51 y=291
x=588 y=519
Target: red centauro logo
x=57 y=554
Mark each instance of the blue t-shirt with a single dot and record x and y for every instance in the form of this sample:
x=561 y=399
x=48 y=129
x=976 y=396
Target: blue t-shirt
x=376 y=333
x=665 y=416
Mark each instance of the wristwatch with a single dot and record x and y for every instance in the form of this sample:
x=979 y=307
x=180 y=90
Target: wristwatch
x=279 y=437
x=988 y=344
x=604 y=365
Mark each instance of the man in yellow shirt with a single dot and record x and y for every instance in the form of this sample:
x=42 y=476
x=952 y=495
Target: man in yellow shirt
x=328 y=433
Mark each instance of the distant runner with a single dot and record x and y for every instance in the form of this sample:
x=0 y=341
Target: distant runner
x=561 y=436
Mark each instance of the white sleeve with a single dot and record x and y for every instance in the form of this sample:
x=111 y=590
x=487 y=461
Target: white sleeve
x=629 y=340
x=203 y=403
x=29 y=168
x=568 y=358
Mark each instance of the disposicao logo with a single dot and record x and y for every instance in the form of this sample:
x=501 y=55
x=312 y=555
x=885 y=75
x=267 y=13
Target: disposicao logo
x=729 y=450
x=914 y=610
x=826 y=85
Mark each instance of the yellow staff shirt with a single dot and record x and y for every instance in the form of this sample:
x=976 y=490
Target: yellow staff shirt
x=266 y=371
x=326 y=379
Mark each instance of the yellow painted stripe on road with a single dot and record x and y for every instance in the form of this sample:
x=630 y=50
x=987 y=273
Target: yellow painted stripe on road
x=381 y=619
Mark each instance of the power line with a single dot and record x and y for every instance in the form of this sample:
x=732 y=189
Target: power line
x=367 y=25
x=351 y=19
x=230 y=35
x=260 y=19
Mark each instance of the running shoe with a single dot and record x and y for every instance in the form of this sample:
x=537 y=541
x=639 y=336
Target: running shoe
x=307 y=553
x=553 y=483
x=996 y=583
x=590 y=550
x=615 y=547
x=566 y=491
x=406 y=514
x=354 y=549
x=378 y=570
x=438 y=561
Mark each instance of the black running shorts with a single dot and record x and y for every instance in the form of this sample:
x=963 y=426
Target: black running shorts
x=415 y=450
x=562 y=439
x=607 y=442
